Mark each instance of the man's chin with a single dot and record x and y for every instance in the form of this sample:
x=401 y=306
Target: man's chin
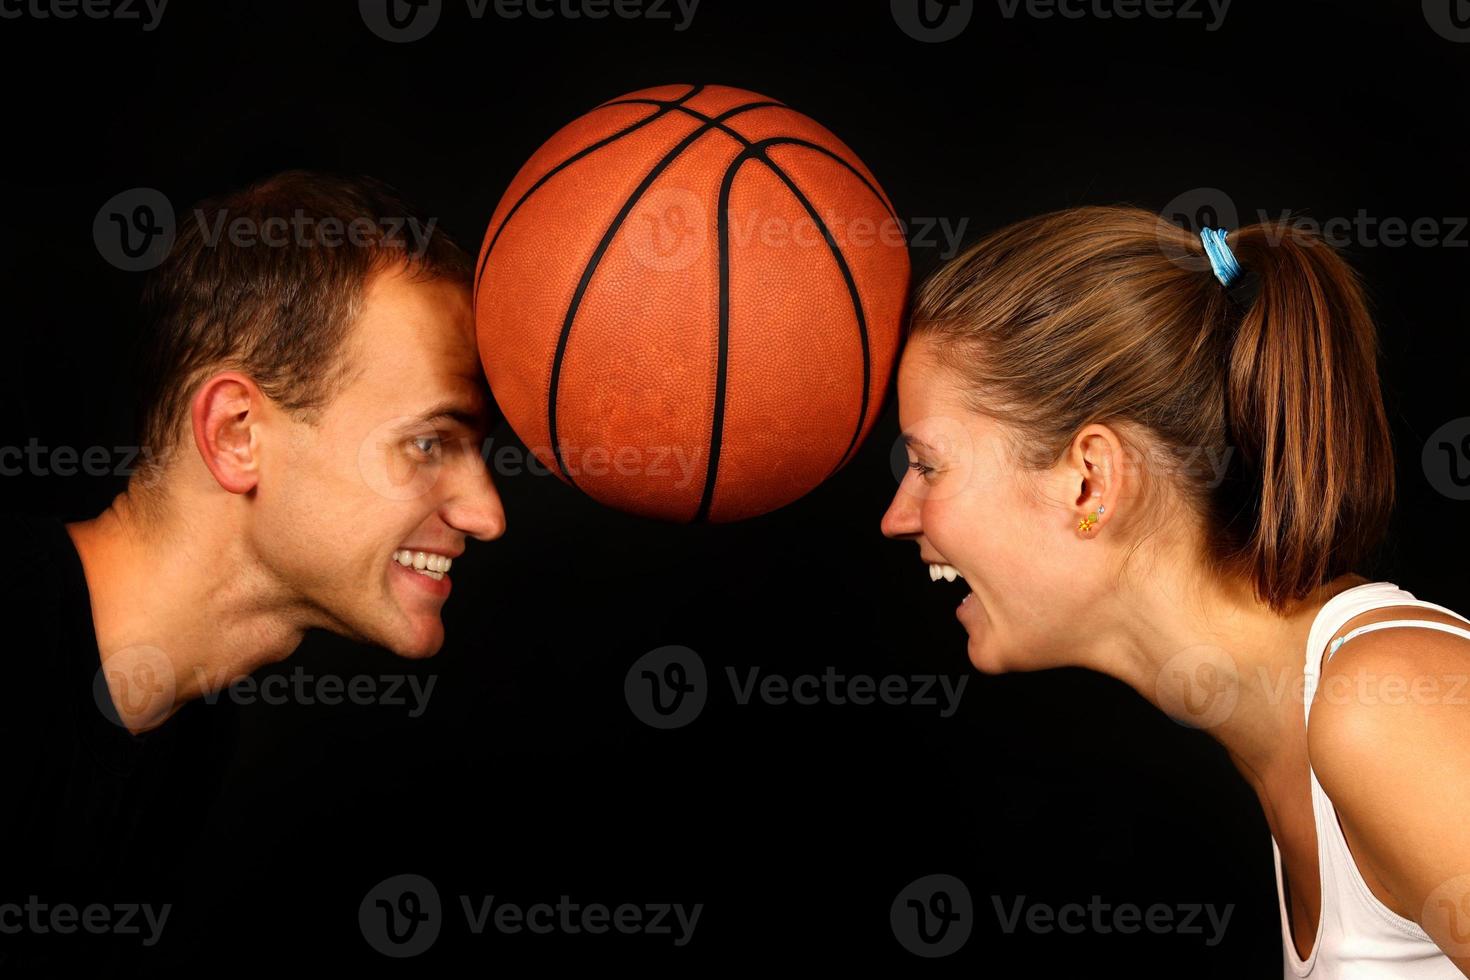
x=421 y=642
x=415 y=637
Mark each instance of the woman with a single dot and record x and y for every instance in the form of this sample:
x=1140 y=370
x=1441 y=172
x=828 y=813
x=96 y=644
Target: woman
x=1163 y=456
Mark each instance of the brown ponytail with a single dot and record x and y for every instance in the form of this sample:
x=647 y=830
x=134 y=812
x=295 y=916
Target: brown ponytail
x=1112 y=314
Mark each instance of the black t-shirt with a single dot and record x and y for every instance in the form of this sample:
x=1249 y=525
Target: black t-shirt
x=96 y=823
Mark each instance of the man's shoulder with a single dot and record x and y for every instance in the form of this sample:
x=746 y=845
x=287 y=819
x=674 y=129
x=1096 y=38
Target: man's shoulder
x=34 y=533
x=44 y=600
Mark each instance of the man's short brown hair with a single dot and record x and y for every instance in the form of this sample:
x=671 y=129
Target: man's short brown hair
x=267 y=281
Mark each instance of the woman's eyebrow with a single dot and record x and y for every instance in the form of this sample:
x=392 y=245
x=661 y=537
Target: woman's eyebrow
x=910 y=439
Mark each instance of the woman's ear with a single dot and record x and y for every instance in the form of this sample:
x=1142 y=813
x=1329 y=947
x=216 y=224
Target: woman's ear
x=1095 y=478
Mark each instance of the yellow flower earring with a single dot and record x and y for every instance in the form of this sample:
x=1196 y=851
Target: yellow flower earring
x=1086 y=523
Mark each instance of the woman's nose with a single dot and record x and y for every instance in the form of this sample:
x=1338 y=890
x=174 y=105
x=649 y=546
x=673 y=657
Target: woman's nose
x=902 y=517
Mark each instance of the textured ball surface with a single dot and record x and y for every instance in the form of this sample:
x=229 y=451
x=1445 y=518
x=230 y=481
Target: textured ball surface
x=689 y=303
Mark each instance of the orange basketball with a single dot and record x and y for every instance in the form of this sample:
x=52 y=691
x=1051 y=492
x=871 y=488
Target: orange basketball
x=689 y=301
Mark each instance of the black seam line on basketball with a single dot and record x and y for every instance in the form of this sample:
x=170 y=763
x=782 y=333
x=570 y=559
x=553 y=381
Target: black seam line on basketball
x=596 y=258
x=590 y=148
x=756 y=151
x=807 y=144
x=794 y=141
x=722 y=343
x=852 y=292
x=693 y=91
x=663 y=110
x=779 y=140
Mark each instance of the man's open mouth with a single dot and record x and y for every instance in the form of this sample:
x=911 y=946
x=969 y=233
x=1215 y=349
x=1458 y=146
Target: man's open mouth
x=427 y=563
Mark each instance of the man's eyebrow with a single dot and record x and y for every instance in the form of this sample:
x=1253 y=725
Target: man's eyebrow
x=458 y=411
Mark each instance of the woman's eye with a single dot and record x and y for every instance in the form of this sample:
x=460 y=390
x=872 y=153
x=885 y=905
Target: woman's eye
x=920 y=468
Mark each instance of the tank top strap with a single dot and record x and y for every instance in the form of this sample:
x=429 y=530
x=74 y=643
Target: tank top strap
x=1349 y=604
x=1425 y=623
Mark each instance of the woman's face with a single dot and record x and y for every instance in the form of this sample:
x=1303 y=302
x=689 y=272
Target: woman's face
x=966 y=505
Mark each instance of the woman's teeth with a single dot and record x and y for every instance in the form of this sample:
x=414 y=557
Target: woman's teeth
x=940 y=570
x=424 y=562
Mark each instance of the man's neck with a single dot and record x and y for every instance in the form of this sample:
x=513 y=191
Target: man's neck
x=178 y=611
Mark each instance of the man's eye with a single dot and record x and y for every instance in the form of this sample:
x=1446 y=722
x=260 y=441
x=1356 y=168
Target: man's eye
x=427 y=445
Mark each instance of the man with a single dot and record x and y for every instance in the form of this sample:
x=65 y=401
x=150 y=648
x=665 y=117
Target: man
x=312 y=411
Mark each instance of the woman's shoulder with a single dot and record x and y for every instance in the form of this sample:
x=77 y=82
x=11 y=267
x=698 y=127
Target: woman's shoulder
x=1393 y=667
x=1388 y=737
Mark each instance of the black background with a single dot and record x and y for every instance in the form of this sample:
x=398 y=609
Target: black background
x=528 y=777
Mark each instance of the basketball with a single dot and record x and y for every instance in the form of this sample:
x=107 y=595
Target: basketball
x=688 y=303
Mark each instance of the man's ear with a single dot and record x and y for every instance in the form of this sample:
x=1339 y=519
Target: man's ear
x=225 y=412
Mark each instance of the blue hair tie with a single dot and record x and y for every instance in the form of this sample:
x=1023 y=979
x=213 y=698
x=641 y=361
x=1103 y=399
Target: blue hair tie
x=1222 y=260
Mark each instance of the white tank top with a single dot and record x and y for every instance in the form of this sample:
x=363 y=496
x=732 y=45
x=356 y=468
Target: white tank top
x=1357 y=935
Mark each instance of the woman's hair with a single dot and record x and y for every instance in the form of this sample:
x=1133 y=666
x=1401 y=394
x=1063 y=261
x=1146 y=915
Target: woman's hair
x=1113 y=315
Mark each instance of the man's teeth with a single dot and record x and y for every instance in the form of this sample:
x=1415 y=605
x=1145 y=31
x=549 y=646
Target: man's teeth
x=424 y=562
x=938 y=570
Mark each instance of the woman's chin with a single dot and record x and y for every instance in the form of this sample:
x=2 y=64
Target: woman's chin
x=982 y=657
x=977 y=629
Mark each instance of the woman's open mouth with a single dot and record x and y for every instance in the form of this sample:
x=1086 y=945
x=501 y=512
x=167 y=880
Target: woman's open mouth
x=942 y=570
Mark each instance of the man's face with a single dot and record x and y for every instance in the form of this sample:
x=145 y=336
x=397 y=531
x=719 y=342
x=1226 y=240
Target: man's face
x=393 y=464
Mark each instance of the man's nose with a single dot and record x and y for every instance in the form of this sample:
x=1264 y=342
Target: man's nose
x=474 y=507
